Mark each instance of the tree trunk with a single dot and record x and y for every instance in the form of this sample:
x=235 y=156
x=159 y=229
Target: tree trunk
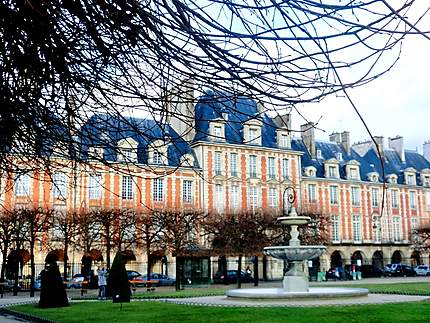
x=239 y=271
x=256 y=271
x=265 y=268
x=33 y=268
x=65 y=261
x=178 y=273
x=4 y=259
x=108 y=254
x=223 y=269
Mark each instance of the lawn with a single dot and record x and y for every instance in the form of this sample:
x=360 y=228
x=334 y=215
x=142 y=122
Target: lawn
x=145 y=311
x=163 y=312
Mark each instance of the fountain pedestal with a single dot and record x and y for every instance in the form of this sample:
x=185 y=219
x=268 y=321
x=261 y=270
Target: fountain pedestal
x=295 y=279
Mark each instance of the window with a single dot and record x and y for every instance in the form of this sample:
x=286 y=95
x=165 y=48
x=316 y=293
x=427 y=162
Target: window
x=219 y=198
x=375 y=197
x=319 y=154
x=234 y=197
x=332 y=171
x=355 y=196
x=335 y=228
x=394 y=198
x=127 y=154
x=218 y=163
x=271 y=168
x=252 y=166
x=353 y=173
x=426 y=180
x=157 y=189
x=22 y=185
x=253 y=198
x=412 y=199
x=233 y=164
x=428 y=200
x=339 y=156
x=396 y=229
x=157 y=157
x=253 y=135
x=187 y=191
x=376 y=229
x=410 y=179
x=218 y=132
x=312 y=193
x=334 y=199
x=285 y=168
x=127 y=188
x=284 y=141
x=273 y=197
x=59 y=185
x=356 y=228
x=95 y=187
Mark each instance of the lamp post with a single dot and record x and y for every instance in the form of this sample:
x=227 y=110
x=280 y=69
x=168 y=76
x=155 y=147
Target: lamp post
x=291 y=197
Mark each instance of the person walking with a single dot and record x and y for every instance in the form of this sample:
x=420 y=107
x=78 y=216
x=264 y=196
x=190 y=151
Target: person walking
x=102 y=282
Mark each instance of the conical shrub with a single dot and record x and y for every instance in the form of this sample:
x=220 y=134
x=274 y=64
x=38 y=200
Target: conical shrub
x=117 y=282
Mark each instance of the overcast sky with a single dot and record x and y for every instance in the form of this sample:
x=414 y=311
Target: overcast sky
x=396 y=104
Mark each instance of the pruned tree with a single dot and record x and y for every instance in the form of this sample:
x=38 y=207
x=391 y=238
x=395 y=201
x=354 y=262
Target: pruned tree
x=179 y=229
x=238 y=234
x=107 y=220
x=36 y=221
x=149 y=234
x=421 y=239
x=6 y=233
x=88 y=233
x=124 y=236
x=317 y=231
x=65 y=227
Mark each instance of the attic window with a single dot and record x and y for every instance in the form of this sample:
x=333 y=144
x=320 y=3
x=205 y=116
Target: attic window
x=339 y=156
x=410 y=179
x=354 y=173
x=426 y=180
x=319 y=154
x=253 y=135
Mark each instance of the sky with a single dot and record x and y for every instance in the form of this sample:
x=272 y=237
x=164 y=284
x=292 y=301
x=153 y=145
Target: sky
x=398 y=103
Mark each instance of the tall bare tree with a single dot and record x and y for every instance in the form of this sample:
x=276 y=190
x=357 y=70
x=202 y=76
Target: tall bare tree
x=6 y=233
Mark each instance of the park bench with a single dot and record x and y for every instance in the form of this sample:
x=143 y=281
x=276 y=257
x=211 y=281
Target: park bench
x=149 y=284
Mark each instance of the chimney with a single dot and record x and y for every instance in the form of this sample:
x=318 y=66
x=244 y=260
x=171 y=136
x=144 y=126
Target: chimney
x=283 y=121
x=426 y=150
x=345 y=142
x=396 y=143
x=380 y=143
x=335 y=137
x=308 y=137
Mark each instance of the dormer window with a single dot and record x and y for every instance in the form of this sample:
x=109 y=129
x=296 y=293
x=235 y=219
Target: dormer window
x=319 y=154
x=339 y=156
x=252 y=132
x=187 y=160
x=392 y=178
x=252 y=135
x=216 y=129
x=127 y=150
x=352 y=169
x=310 y=171
x=284 y=140
x=373 y=177
x=410 y=176
x=425 y=177
x=95 y=153
x=331 y=168
x=157 y=158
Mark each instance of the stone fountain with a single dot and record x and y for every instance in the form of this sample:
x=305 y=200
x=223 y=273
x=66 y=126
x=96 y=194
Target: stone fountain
x=295 y=282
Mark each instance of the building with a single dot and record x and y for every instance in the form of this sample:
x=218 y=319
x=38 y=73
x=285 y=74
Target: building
x=225 y=154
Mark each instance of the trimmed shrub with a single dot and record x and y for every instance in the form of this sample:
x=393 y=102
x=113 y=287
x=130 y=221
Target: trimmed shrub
x=52 y=291
x=117 y=282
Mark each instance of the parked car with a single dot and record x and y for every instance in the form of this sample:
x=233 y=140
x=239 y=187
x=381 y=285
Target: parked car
x=370 y=271
x=422 y=270
x=232 y=277
x=163 y=280
x=399 y=270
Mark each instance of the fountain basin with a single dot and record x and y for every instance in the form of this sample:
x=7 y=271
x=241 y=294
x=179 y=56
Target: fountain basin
x=294 y=253
x=294 y=220
x=280 y=293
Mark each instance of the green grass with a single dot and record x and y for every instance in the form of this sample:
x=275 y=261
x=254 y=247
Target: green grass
x=163 y=312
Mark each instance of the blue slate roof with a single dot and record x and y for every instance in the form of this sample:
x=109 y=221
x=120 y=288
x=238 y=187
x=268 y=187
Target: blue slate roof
x=106 y=131
x=370 y=162
x=238 y=110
